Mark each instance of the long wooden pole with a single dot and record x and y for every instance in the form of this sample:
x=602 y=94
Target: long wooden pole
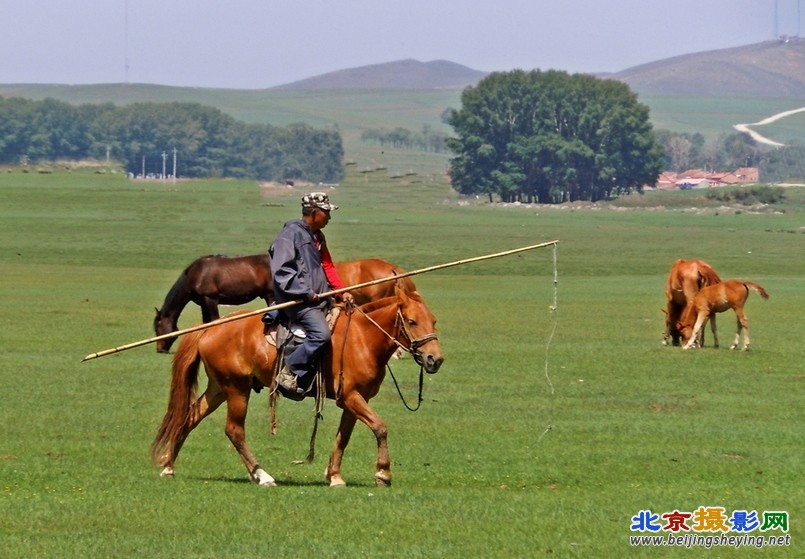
x=321 y=296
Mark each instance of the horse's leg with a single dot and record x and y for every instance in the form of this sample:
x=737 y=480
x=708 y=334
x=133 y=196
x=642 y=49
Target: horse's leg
x=743 y=324
x=237 y=402
x=356 y=404
x=209 y=310
x=713 y=330
x=201 y=408
x=701 y=319
x=670 y=320
x=332 y=474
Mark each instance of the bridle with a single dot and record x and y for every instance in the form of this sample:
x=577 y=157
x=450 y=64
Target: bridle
x=401 y=325
x=414 y=344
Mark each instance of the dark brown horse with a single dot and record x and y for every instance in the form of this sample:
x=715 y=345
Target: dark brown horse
x=684 y=281
x=235 y=354
x=730 y=294
x=219 y=280
x=210 y=281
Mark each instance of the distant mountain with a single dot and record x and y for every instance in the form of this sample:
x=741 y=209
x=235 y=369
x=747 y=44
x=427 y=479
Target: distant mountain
x=768 y=69
x=402 y=74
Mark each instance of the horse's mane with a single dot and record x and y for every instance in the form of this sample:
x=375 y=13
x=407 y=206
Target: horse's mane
x=177 y=295
x=372 y=306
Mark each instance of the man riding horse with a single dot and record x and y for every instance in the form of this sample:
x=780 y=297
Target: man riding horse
x=302 y=268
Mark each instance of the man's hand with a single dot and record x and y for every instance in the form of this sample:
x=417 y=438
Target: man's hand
x=348 y=298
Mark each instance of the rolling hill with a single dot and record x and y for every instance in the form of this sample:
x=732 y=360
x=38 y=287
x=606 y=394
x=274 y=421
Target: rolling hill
x=768 y=69
x=401 y=74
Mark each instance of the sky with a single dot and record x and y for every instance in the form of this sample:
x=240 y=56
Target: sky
x=256 y=44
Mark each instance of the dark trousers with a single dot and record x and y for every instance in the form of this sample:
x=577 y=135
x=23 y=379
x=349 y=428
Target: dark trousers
x=317 y=336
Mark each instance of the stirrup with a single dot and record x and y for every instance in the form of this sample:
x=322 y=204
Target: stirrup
x=287 y=384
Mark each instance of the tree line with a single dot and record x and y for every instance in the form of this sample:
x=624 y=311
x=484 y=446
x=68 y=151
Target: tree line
x=537 y=136
x=208 y=142
x=427 y=139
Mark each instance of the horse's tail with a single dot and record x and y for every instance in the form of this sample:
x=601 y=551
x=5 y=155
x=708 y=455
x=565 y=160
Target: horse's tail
x=760 y=291
x=184 y=383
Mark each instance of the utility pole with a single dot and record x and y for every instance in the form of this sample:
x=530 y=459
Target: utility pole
x=174 y=164
x=164 y=161
x=108 y=149
x=776 y=20
x=126 y=46
x=143 y=175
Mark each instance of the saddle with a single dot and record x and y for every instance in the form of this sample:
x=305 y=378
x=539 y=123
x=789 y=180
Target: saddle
x=286 y=336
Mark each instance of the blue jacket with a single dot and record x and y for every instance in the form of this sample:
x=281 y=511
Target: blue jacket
x=296 y=263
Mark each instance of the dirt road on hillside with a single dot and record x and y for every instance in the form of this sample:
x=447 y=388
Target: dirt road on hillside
x=762 y=139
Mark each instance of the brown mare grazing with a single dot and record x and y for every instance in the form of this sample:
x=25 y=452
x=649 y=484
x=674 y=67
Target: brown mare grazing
x=219 y=280
x=210 y=281
x=236 y=353
x=729 y=294
x=685 y=279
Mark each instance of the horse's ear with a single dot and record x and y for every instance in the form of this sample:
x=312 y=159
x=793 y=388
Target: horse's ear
x=400 y=292
x=664 y=311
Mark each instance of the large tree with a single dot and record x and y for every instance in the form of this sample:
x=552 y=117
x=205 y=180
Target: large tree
x=551 y=137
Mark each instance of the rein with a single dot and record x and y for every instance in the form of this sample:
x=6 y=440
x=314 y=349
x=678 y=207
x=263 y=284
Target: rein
x=414 y=343
x=402 y=398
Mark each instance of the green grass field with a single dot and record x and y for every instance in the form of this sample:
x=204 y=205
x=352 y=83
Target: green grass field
x=530 y=442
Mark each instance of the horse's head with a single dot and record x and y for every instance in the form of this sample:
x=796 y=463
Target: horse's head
x=418 y=330
x=684 y=326
x=164 y=325
x=685 y=332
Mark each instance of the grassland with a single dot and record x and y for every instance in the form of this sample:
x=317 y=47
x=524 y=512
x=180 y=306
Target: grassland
x=530 y=441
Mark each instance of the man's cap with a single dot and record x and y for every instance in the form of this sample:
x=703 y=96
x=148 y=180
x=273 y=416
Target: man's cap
x=318 y=200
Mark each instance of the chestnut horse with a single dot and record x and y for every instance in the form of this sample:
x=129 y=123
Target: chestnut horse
x=236 y=354
x=210 y=281
x=729 y=294
x=685 y=279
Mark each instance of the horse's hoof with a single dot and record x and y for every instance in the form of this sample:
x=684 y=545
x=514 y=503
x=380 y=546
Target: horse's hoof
x=167 y=471
x=334 y=480
x=381 y=481
x=261 y=478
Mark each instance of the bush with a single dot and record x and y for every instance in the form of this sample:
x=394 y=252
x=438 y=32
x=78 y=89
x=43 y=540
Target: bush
x=759 y=194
